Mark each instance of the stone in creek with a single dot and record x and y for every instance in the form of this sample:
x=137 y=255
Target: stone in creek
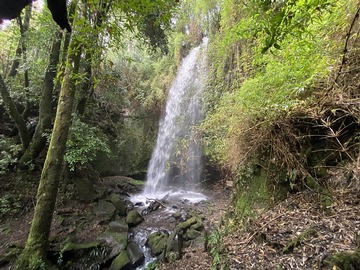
x=192 y=234
x=117 y=241
x=133 y=218
x=176 y=215
x=119 y=203
x=157 y=242
x=122 y=261
x=119 y=226
x=136 y=255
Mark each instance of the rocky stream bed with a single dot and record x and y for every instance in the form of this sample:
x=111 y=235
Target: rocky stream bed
x=106 y=227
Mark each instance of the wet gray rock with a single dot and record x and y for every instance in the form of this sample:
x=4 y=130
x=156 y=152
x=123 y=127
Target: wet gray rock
x=133 y=218
x=116 y=241
x=129 y=206
x=135 y=253
x=119 y=226
x=122 y=261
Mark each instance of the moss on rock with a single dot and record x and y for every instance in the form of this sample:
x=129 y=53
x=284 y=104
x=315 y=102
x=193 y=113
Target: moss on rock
x=122 y=261
x=133 y=218
x=157 y=242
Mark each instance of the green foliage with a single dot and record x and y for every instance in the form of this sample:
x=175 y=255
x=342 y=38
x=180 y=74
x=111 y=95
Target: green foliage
x=37 y=42
x=8 y=154
x=260 y=87
x=216 y=250
x=84 y=144
x=155 y=265
x=253 y=185
x=344 y=260
x=10 y=205
x=36 y=263
x=280 y=19
x=151 y=18
x=134 y=146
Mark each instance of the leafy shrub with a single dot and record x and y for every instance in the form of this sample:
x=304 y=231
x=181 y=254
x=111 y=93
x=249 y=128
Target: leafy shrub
x=262 y=88
x=10 y=205
x=8 y=153
x=84 y=143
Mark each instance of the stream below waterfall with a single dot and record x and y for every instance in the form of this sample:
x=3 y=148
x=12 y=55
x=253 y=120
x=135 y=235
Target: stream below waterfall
x=175 y=207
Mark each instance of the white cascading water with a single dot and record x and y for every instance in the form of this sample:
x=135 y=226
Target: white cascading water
x=177 y=142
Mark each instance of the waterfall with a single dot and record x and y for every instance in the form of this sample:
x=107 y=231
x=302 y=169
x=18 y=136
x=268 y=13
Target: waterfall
x=176 y=159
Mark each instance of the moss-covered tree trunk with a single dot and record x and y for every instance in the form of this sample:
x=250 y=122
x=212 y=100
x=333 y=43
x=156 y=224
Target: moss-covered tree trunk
x=34 y=254
x=14 y=114
x=23 y=29
x=45 y=108
x=92 y=58
x=86 y=89
x=4 y=91
x=21 y=48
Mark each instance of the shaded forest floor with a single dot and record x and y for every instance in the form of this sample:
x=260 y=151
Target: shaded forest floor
x=297 y=233
x=294 y=234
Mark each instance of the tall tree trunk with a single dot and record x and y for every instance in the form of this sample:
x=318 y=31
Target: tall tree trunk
x=45 y=108
x=23 y=29
x=58 y=54
x=37 y=242
x=5 y=94
x=24 y=26
x=14 y=114
x=87 y=87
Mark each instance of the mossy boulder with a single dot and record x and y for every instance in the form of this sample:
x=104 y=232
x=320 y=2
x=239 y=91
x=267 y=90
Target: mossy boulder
x=133 y=218
x=198 y=225
x=122 y=261
x=117 y=241
x=192 y=234
x=157 y=242
x=117 y=238
x=104 y=209
x=186 y=224
x=79 y=246
x=118 y=202
x=82 y=255
x=176 y=215
x=85 y=189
